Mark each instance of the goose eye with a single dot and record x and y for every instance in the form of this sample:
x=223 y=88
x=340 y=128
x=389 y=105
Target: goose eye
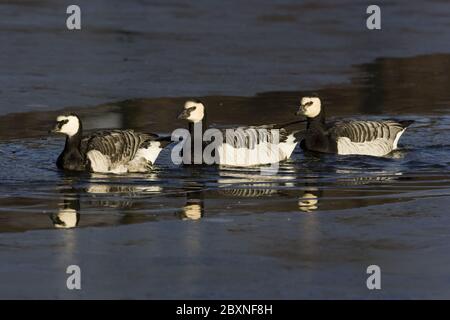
x=191 y=109
x=62 y=122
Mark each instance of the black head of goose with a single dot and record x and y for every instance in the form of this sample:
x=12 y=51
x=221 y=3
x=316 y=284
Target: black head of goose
x=374 y=138
x=239 y=146
x=107 y=151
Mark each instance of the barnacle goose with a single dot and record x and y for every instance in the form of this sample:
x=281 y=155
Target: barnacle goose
x=109 y=151
x=244 y=146
x=373 y=138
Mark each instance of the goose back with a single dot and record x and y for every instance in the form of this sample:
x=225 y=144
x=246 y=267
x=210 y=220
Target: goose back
x=120 y=151
x=365 y=131
x=249 y=146
x=376 y=138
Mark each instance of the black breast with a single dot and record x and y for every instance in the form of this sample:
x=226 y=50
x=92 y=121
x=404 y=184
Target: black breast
x=71 y=160
x=317 y=139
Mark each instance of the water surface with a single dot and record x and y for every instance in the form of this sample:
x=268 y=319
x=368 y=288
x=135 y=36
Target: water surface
x=310 y=231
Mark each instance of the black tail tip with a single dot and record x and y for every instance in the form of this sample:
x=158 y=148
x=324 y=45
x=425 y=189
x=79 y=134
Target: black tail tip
x=406 y=123
x=164 y=140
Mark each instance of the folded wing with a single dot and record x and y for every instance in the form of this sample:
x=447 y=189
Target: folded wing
x=366 y=131
x=120 y=146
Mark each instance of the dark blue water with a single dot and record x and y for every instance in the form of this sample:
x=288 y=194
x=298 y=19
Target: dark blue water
x=33 y=187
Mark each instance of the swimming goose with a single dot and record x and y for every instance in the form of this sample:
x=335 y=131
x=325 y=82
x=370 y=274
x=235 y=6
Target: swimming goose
x=243 y=146
x=109 y=151
x=373 y=138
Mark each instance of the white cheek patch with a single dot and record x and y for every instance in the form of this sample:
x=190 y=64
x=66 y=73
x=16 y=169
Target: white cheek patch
x=311 y=106
x=196 y=115
x=71 y=127
x=312 y=111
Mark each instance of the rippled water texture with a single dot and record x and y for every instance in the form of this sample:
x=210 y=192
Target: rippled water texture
x=34 y=191
x=308 y=231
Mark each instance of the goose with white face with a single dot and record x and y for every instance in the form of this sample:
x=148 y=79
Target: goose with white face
x=241 y=146
x=194 y=111
x=107 y=151
x=363 y=137
x=310 y=107
x=67 y=124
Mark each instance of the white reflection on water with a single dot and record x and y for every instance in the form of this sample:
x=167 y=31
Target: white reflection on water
x=66 y=218
x=251 y=184
x=309 y=201
x=192 y=211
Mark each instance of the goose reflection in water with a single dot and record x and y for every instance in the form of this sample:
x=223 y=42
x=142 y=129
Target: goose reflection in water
x=105 y=193
x=380 y=176
x=250 y=191
x=192 y=211
x=252 y=185
x=68 y=215
x=118 y=196
x=101 y=183
x=309 y=201
x=194 y=208
x=102 y=191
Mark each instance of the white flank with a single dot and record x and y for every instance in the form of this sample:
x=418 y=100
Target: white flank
x=288 y=147
x=377 y=147
x=119 y=169
x=140 y=163
x=263 y=153
x=144 y=158
x=99 y=162
x=397 y=137
x=151 y=153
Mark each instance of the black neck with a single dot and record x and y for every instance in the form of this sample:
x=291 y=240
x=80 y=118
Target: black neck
x=74 y=142
x=198 y=139
x=191 y=128
x=72 y=158
x=316 y=122
x=192 y=124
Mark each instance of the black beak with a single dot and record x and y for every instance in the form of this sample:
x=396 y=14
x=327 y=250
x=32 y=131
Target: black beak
x=184 y=115
x=54 y=130
x=299 y=111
